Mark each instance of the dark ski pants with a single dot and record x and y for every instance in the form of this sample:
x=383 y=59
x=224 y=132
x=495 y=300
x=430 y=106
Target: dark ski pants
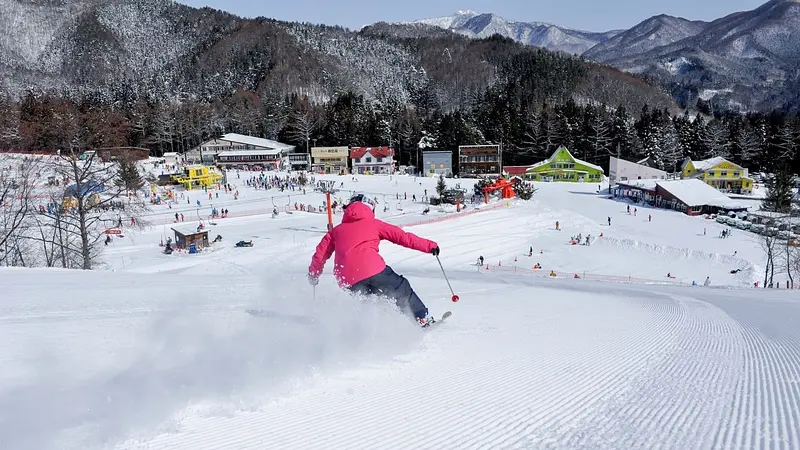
x=394 y=286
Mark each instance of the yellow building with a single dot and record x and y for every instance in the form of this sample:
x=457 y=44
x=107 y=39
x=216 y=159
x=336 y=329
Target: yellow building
x=330 y=159
x=197 y=176
x=719 y=173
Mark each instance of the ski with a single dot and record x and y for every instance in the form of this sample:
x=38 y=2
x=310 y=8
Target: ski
x=439 y=320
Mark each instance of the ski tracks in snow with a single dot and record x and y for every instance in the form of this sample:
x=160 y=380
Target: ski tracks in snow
x=764 y=412
x=676 y=395
x=524 y=368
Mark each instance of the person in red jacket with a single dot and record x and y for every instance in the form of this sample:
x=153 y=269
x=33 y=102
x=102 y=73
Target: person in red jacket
x=359 y=267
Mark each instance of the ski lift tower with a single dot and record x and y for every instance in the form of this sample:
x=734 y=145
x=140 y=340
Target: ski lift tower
x=328 y=189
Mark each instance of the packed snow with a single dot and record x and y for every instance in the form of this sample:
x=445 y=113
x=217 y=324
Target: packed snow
x=158 y=351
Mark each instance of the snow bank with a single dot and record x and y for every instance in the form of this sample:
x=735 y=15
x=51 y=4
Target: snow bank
x=683 y=263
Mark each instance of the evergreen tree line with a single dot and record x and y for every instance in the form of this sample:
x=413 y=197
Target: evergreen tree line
x=529 y=123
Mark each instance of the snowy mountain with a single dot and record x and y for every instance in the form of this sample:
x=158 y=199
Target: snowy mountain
x=77 y=45
x=538 y=34
x=114 y=50
x=751 y=56
x=652 y=33
x=744 y=61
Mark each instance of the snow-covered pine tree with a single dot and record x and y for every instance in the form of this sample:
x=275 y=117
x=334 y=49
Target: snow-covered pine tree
x=480 y=185
x=718 y=142
x=701 y=142
x=779 y=191
x=670 y=145
x=524 y=190
x=441 y=185
x=129 y=176
x=597 y=137
x=621 y=134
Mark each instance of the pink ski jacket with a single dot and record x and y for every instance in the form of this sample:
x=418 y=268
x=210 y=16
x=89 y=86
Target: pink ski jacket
x=356 y=241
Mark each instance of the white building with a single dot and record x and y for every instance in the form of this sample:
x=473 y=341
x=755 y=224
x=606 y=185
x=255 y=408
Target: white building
x=254 y=159
x=266 y=149
x=620 y=170
x=173 y=158
x=372 y=160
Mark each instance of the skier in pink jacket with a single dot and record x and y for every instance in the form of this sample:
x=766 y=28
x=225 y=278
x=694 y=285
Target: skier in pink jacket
x=358 y=266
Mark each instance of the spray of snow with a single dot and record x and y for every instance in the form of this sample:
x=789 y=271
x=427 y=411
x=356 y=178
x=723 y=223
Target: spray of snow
x=191 y=358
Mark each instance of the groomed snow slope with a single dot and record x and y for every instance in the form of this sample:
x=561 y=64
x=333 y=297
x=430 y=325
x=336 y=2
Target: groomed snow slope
x=157 y=351
x=141 y=361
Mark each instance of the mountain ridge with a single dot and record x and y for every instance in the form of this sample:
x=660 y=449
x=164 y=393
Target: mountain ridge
x=540 y=34
x=742 y=61
x=107 y=49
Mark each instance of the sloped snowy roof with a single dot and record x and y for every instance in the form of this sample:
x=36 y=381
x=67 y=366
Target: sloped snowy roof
x=377 y=152
x=577 y=161
x=255 y=141
x=694 y=192
x=188 y=229
x=270 y=151
x=706 y=164
x=649 y=184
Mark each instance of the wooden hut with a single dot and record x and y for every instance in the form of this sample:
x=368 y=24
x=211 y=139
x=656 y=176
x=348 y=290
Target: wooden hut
x=186 y=235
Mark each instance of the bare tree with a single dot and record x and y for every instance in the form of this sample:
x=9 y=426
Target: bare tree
x=95 y=199
x=9 y=123
x=58 y=244
x=770 y=246
x=790 y=254
x=302 y=125
x=18 y=177
x=793 y=253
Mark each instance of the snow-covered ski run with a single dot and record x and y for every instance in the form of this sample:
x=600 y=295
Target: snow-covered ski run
x=156 y=352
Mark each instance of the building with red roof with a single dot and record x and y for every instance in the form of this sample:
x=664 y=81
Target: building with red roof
x=372 y=160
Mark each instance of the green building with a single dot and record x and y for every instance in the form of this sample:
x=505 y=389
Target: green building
x=562 y=166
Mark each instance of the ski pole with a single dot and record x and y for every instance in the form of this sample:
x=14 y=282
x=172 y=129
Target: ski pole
x=454 y=297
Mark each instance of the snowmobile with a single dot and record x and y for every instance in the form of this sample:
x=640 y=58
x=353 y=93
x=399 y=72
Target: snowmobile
x=244 y=244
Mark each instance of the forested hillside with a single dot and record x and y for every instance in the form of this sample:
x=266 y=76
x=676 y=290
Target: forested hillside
x=152 y=73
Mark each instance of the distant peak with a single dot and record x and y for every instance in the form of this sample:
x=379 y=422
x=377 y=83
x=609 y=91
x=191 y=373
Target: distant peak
x=466 y=12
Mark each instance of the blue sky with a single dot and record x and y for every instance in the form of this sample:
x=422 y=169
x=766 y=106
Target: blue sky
x=592 y=15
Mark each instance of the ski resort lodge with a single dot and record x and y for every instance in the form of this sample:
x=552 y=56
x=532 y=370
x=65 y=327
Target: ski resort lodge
x=372 y=160
x=330 y=159
x=560 y=166
x=620 y=170
x=719 y=173
x=479 y=160
x=237 y=149
x=692 y=197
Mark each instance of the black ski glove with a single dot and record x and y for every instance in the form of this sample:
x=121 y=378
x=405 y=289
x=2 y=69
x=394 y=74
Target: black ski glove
x=435 y=251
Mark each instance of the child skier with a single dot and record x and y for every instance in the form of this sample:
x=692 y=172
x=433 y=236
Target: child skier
x=359 y=268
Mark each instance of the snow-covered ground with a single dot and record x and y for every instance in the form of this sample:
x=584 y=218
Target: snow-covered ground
x=156 y=351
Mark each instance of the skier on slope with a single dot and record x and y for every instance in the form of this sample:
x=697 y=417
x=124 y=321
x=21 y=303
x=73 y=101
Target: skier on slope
x=359 y=268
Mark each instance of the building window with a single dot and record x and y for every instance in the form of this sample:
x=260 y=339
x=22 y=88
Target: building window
x=369 y=159
x=735 y=174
